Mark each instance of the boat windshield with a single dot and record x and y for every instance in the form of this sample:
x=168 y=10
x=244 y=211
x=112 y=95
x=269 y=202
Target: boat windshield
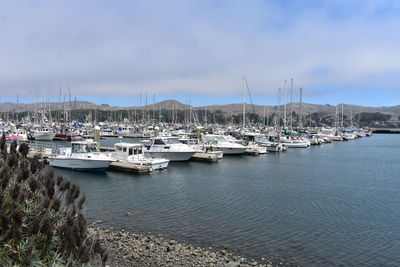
x=171 y=141
x=220 y=139
x=83 y=148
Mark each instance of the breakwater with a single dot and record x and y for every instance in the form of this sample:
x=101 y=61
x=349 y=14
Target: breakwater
x=386 y=130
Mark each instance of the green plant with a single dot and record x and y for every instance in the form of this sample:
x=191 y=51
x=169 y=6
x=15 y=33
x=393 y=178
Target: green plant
x=41 y=216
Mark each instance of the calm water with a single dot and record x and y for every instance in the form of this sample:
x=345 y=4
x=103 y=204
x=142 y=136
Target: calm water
x=336 y=204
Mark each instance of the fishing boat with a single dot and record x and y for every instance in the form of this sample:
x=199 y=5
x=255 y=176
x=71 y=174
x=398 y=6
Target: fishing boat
x=82 y=156
x=134 y=153
x=44 y=133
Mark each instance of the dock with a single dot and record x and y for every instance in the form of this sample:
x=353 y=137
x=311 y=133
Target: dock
x=129 y=167
x=386 y=130
x=209 y=157
x=37 y=155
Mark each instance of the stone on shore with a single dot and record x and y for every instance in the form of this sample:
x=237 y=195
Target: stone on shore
x=129 y=249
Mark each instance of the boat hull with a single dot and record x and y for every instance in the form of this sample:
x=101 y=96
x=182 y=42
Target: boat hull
x=172 y=156
x=79 y=164
x=296 y=145
x=44 y=136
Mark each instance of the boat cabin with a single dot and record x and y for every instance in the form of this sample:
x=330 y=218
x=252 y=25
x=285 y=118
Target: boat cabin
x=84 y=147
x=165 y=141
x=128 y=149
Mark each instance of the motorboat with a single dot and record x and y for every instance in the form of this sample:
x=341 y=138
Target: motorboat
x=220 y=143
x=134 y=153
x=202 y=151
x=270 y=145
x=44 y=133
x=82 y=156
x=295 y=143
x=169 y=148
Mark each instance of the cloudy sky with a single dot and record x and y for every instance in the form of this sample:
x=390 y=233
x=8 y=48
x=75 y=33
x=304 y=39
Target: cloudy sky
x=113 y=51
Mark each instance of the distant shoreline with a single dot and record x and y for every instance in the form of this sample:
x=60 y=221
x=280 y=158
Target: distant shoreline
x=386 y=130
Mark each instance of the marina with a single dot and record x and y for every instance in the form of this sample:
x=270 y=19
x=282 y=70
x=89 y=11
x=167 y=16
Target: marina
x=318 y=206
x=194 y=133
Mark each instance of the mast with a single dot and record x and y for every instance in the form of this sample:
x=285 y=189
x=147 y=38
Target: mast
x=159 y=114
x=244 y=102
x=301 y=102
x=280 y=106
x=152 y=108
x=336 y=117
x=342 y=116
x=284 y=107
x=264 y=115
x=291 y=103
x=205 y=115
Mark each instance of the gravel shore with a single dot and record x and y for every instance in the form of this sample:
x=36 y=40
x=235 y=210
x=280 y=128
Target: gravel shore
x=132 y=249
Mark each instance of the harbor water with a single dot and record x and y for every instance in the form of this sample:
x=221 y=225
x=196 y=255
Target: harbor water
x=335 y=204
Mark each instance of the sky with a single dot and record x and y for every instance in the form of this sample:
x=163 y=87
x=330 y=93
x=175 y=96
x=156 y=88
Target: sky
x=112 y=52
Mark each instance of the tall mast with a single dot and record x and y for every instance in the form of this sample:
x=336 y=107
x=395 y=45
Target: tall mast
x=264 y=115
x=280 y=106
x=291 y=103
x=205 y=115
x=300 y=118
x=342 y=116
x=244 y=102
x=152 y=109
x=336 y=117
x=284 y=107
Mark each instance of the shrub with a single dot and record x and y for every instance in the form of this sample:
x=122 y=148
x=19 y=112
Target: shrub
x=41 y=216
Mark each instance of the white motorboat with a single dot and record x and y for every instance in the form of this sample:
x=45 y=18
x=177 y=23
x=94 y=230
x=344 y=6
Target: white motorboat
x=202 y=151
x=82 y=156
x=133 y=153
x=220 y=143
x=269 y=145
x=295 y=143
x=349 y=136
x=44 y=134
x=169 y=148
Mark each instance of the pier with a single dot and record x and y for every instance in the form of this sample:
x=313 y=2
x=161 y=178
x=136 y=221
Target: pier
x=386 y=130
x=129 y=167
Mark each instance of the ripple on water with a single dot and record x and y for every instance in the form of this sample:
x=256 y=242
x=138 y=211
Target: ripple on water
x=335 y=204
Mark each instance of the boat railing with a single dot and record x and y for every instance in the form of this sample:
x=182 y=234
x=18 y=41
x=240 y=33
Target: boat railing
x=44 y=148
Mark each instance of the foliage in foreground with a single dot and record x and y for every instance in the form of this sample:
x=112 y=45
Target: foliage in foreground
x=41 y=215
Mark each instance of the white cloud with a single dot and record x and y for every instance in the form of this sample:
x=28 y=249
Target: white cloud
x=202 y=47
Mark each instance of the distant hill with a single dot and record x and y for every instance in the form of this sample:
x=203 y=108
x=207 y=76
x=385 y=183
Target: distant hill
x=322 y=110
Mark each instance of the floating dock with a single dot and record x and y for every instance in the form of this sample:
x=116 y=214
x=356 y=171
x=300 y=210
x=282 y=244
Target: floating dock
x=129 y=167
x=386 y=130
x=209 y=157
x=37 y=155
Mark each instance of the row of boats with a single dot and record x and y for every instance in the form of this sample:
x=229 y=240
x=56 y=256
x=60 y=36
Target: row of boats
x=158 y=151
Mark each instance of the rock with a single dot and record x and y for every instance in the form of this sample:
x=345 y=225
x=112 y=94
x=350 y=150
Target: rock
x=96 y=222
x=133 y=249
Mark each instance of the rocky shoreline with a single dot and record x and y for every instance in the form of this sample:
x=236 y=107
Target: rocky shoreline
x=132 y=249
